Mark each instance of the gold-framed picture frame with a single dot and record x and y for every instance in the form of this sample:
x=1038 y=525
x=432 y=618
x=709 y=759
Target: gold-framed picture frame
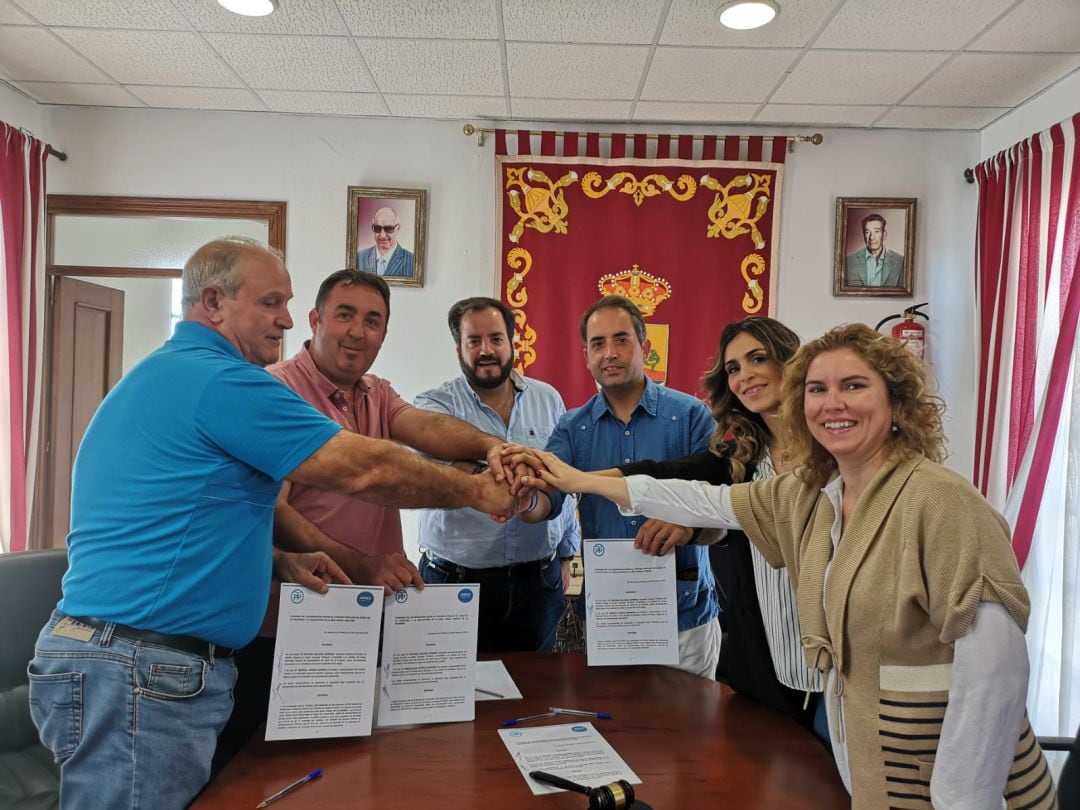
x=386 y=233
x=875 y=247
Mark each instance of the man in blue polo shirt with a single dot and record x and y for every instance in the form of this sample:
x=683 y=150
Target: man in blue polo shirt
x=173 y=494
x=632 y=419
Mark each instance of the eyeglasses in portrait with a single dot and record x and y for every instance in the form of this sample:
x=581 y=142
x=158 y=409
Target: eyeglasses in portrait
x=386 y=233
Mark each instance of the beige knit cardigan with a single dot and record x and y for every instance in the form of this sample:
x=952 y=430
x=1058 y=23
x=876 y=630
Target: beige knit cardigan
x=921 y=551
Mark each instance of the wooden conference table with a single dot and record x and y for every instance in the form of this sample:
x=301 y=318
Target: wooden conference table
x=694 y=744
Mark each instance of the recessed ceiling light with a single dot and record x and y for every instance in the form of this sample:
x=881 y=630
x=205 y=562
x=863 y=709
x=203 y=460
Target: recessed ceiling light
x=743 y=15
x=250 y=8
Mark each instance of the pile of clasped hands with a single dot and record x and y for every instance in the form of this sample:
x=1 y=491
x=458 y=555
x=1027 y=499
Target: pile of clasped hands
x=527 y=472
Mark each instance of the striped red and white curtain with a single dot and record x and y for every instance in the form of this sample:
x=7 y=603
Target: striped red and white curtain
x=22 y=291
x=1027 y=455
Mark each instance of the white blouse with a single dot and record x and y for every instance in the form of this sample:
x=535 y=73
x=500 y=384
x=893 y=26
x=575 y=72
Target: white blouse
x=780 y=614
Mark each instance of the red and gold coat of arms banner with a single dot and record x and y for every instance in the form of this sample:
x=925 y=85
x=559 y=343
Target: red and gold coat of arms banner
x=693 y=242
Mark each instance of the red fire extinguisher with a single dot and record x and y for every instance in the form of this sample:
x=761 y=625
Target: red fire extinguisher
x=910 y=332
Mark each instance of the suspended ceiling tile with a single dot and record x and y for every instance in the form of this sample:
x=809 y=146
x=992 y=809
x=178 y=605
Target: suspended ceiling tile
x=309 y=17
x=144 y=14
x=1035 y=25
x=197 y=98
x=9 y=15
x=695 y=22
x=625 y=22
x=438 y=19
x=910 y=25
x=177 y=58
x=714 y=74
x=992 y=80
x=36 y=55
x=90 y=95
x=855 y=77
x=434 y=67
x=677 y=111
x=447 y=106
x=820 y=115
x=293 y=62
x=289 y=101
x=575 y=71
x=556 y=109
x=941 y=117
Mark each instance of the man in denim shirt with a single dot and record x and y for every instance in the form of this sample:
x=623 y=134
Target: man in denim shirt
x=631 y=419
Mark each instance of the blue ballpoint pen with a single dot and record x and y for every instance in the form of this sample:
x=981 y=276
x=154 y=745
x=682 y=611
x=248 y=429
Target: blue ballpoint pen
x=580 y=713
x=290 y=788
x=517 y=720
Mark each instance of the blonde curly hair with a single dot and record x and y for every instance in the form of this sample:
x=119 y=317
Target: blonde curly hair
x=917 y=413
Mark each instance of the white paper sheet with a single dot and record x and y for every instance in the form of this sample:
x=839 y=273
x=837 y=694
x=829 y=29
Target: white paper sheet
x=429 y=655
x=324 y=662
x=575 y=751
x=631 y=605
x=493 y=682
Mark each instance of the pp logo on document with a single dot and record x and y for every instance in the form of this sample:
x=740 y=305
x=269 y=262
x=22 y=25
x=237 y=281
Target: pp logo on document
x=401 y=597
x=598 y=549
x=365 y=599
x=579 y=729
x=297 y=596
x=465 y=595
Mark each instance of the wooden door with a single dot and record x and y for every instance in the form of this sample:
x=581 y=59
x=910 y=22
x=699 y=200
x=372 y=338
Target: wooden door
x=86 y=361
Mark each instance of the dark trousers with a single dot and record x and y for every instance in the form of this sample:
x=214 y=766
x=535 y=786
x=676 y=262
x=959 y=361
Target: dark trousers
x=519 y=610
x=746 y=664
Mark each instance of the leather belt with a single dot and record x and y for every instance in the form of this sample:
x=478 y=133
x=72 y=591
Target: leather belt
x=508 y=573
x=186 y=644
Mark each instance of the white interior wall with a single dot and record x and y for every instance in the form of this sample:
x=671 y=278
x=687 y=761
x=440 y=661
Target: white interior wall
x=1055 y=104
x=309 y=162
x=19 y=111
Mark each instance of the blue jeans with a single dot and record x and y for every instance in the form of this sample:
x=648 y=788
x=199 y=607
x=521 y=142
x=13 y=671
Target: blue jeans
x=515 y=615
x=132 y=725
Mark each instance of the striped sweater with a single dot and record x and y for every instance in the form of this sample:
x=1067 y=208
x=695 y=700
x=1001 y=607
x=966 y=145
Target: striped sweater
x=919 y=554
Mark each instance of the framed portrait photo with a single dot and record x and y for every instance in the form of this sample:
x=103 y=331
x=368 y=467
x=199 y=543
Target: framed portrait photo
x=386 y=233
x=875 y=246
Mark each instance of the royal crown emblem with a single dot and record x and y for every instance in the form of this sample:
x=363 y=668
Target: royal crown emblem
x=645 y=290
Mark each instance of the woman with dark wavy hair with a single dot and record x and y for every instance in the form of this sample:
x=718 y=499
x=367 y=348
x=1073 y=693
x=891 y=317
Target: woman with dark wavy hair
x=909 y=594
x=762 y=653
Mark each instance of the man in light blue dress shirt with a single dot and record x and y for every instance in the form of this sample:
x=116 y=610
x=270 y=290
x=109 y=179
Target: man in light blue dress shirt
x=633 y=419
x=522 y=568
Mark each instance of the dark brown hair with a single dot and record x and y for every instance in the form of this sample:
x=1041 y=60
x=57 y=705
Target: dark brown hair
x=749 y=434
x=350 y=278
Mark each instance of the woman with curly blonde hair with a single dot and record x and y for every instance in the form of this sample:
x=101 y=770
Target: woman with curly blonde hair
x=909 y=595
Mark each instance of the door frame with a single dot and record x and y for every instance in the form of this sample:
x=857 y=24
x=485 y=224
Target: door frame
x=272 y=212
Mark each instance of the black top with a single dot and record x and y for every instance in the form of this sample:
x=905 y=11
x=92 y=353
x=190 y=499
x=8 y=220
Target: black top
x=745 y=662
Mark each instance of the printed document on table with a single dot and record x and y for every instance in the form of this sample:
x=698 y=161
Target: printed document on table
x=631 y=606
x=493 y=682
x=429 y=655
x=325 y=662
x=576 y=752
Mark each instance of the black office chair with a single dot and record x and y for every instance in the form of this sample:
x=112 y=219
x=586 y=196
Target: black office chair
x=1068 y=786
x=29 y=590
